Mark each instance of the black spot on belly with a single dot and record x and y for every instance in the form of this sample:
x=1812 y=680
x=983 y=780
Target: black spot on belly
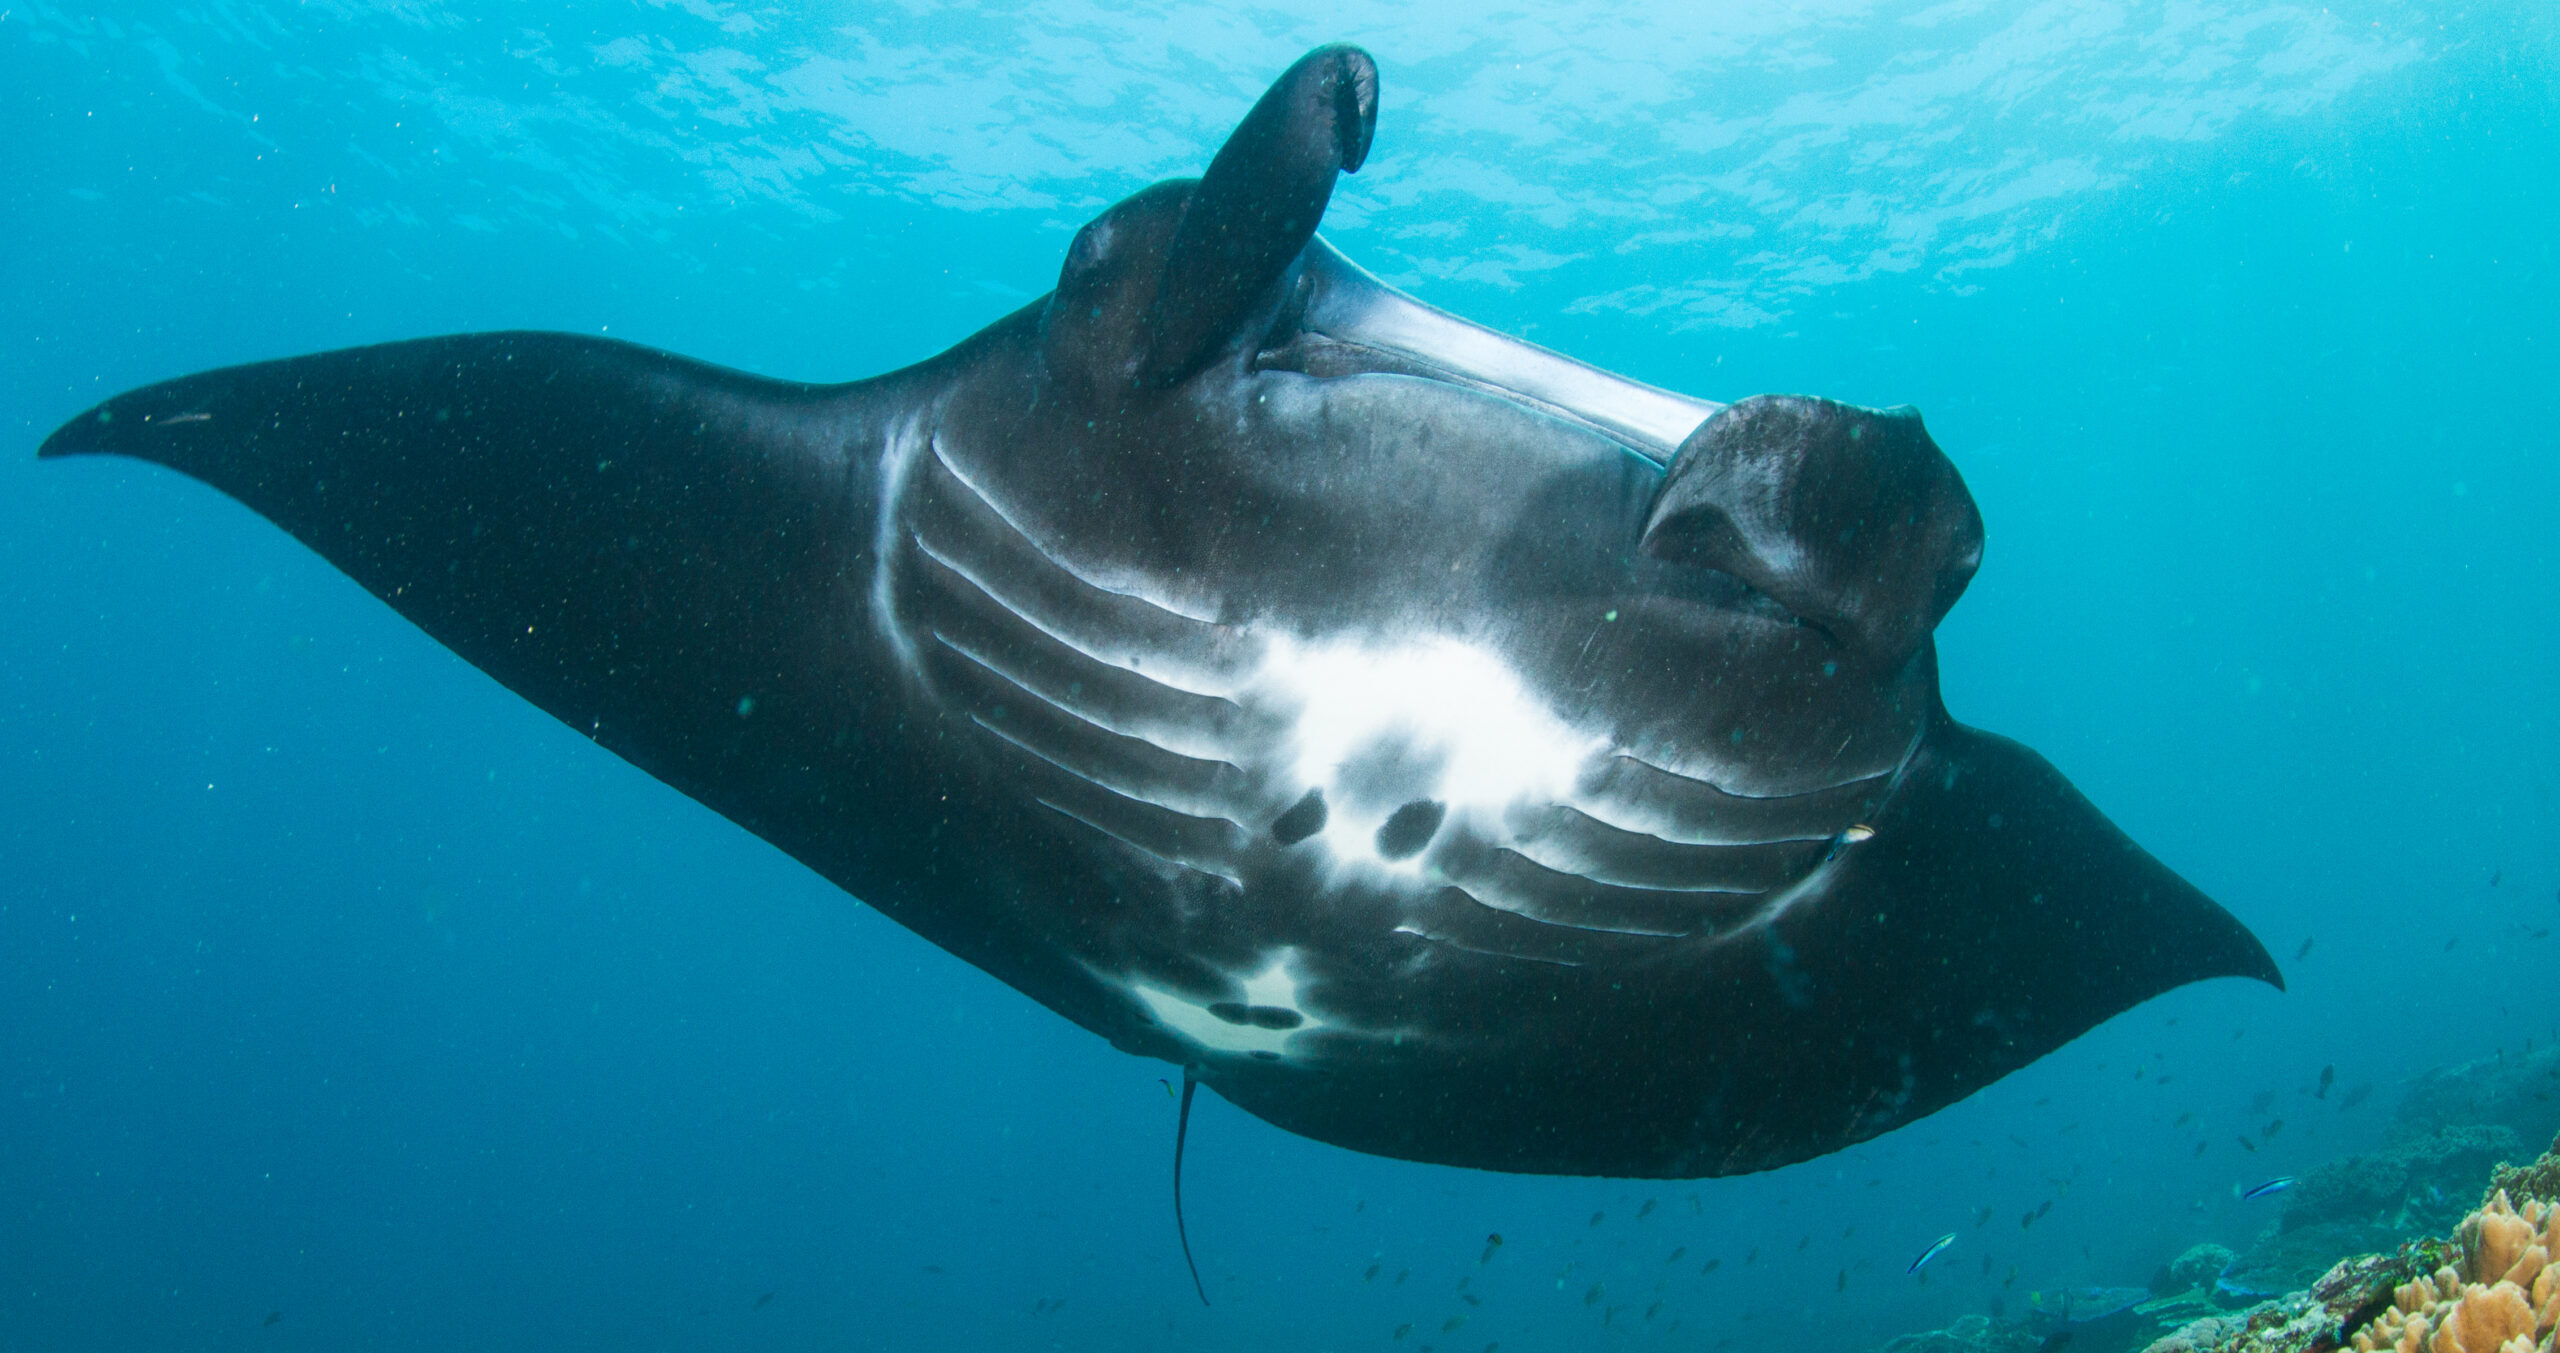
x=1411 y=828
x=1304 y=819
x=1259 y=1016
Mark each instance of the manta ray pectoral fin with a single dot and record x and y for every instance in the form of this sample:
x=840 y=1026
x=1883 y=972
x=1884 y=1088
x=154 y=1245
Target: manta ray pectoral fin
x=1160 y=284
x=1993 y=915
x=631 y=540
x=1851 y=518
x=1990 y=915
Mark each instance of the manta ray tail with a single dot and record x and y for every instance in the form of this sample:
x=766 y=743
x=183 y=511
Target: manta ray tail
x=1182 y=1131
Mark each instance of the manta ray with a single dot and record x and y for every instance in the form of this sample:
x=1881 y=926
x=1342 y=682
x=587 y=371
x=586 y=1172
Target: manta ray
x=1434 y=745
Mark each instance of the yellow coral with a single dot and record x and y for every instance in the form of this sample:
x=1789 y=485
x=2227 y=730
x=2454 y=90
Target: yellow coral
x=2506 y=1299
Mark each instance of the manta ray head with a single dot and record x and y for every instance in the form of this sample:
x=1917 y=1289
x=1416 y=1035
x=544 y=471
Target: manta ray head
x=1745 y=592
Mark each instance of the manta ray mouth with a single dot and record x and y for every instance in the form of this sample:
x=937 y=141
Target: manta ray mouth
x=1339 y=320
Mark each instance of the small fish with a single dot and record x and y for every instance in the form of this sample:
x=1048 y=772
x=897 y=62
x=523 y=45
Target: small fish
x=2268 y=1134
x=2247 y=1145
x=1451 y=1324
x=2044 y=1207
x=1712 y=1266
x=207 y=418
x=1848 y=837
x=2269 y=1189
x=1371 y=1275
x=1676 y=1253
x=1592 y=1297
x=1168 y=1088
x=1843 y=1284
x=1596 y=1216
x=2184 y=1119
x=1646 y=1210
x=2328 y=1077
x=760 y=1301
x=2496 y=876
x=2055 y=1342
x=1651 y=1311
x=2026 y=1221
x=273 y=1317
x=1753 y=1257
x=1471 y=1298
x=1402 y=1274
x=2356 y=1094
x=2303 y=952
x=2200 y=1146
x=1936 y=1248
x=1402 y=1330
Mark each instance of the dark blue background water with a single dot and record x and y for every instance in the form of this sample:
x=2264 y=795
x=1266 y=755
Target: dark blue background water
x=338 y=983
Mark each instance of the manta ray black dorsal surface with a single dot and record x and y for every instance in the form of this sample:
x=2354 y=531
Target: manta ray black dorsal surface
x=1439 y=747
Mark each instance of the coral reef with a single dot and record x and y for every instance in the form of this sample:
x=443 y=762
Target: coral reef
x=2200 y=1265
x=2095 y=1319
x=2505 y=1298
x=2494 y=1288
x=2300 y=1322
x=2084 y=1319
x=2367 y=1204
x=2519 y=1091
x=2290 y=1261
x=2538 y=1181
x=1972 y=1334
x=2422 y=1184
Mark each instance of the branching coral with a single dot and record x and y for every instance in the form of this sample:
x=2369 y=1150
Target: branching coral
x=2504 y=1297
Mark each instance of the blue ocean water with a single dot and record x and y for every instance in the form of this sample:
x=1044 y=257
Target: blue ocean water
x=348 y=1001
